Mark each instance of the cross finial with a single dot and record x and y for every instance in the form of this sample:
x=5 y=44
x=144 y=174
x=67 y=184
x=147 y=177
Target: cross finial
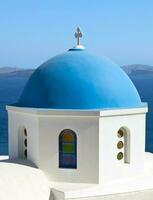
x=78 y=35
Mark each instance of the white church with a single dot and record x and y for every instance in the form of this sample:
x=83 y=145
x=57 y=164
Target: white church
x=81 y=122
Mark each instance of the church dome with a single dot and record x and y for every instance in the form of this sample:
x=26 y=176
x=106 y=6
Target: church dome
x=79 y=80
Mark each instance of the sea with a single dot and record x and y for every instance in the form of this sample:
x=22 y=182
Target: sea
x=11 y=88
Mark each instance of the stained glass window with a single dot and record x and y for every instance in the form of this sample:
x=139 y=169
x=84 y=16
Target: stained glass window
x=120 y=133
x=120 y=145
x=120 y=156
x=123 y=144
x=68 y=149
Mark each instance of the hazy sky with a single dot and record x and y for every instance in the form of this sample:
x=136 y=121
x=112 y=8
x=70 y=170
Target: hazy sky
x=31 y=31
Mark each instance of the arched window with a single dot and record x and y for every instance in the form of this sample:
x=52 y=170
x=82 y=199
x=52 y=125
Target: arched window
x=25 y=143
x=123 y=145
x=68 y=149
x=22 y=143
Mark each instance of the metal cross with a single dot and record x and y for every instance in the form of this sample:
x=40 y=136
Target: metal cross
x=78 y=35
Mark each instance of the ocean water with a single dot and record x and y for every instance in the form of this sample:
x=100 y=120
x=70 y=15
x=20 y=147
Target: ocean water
x=144 y=85
x=10 y=90
x=12 y=86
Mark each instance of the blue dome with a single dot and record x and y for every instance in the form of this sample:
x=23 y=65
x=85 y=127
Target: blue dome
x=78 y=80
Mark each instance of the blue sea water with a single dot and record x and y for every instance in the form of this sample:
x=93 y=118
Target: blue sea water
x=12 y=86
x=10 y=90
x=144 y=85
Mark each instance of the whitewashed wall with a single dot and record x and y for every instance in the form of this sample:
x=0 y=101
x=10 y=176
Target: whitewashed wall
x=96 y=142
x=111 y=168
x=87 y=131
x=17 y=121
x=43 y=131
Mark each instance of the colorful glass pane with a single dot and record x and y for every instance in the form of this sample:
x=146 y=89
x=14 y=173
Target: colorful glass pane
x=120 y=145
x=120 y=133
x=120 y=156
x=68 y=137
x=68 y=148
x=68 y=159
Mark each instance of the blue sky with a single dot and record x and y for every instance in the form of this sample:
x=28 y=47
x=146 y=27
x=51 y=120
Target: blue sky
x=32 y=31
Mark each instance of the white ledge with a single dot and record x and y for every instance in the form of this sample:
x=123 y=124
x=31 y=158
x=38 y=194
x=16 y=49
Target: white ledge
x=79 y=113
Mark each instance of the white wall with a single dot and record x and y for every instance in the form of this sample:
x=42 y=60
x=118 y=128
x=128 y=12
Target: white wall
x=87 y=131
x=43 y=129
x=17 y=121
x=111 y=168
x=96 y=142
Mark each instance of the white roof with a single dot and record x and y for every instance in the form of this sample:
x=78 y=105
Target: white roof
x=20 y=180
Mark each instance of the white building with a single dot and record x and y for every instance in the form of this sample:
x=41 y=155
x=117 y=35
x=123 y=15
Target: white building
x=80 y=120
